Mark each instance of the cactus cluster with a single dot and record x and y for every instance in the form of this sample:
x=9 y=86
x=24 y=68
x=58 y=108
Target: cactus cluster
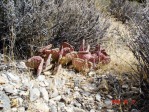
x=83 y=60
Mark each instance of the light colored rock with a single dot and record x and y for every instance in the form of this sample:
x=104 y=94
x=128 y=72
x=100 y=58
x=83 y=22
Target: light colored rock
x=10 y=89
x=1 y=88
x=20 y=101
x=5 y=101
x=24 y=93
x=57 y=98
x=76 y=94
x=85 y=93
x=89 y=87
x=41 y=78
x=22 y=65
x=52 y=102
x=14 y=109
x=109 y=110
x=68 y=109
x=42 y=107
x=92 y=110
x=54 y=94
x=59 y=82
x=125 y=86
x=44 y=83
x=135 y=110
x=52 y=106
x=34 y=94
x=108 y=103
x=75 y=109
x=12 y=77
x=44 y=93
x=21 y=109
x=92 y=73
x=109 y=96
x=60 y=106
x=76 y=104
x=3 y=80
x=98 y=97
x=5 y=77
x=47 y=73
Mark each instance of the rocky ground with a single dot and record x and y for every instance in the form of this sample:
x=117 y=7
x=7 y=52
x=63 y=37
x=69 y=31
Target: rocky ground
x=66 y=91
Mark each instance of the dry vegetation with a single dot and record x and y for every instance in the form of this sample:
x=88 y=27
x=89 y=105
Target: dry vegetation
x=27 y=25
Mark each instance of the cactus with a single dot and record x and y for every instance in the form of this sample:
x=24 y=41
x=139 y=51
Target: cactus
x=83 y=61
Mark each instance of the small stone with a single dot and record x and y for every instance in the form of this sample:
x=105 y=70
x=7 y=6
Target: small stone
x=125 y=86
x=24 y=93
x=4 y=101
x=60 y=106
x=76 y=104
x=34 y=94
x=52 y=106
x=52 y=102
x=85 y=93
x=92 y=73
x=14 y=109
x=92 y=110
x=20 y=101
x=46 y=83
x=76 y=94
x=10 y=89
x=42 y=107
x=57 y=98
x=22 y=65
x=90 y=80
x=47 y=73
x=14 y=103
x=2 y=80
x=69 y=109
x=42 y=84
x=54 y=94
x=134 y=89
x=21 y=109
x=75 y=109
x=44 y=94
x=109 y=110
x=12 y=77
x=135 y=110
x=59 y=82
x=109 y=96
x=53 y=109
x=104 y=85
x=108 y=103
x=98 y=97
x=41 y=78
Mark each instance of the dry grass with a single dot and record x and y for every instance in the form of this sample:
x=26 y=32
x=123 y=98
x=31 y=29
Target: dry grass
x=115 y=42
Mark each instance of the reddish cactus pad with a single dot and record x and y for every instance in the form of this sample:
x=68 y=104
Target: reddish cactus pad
x=82 y=61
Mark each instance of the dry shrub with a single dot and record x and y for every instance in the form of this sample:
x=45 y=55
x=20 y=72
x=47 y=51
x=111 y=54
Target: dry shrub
x=140 y=42
x=122 y=10
x=32 y=24
x=139 y=45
